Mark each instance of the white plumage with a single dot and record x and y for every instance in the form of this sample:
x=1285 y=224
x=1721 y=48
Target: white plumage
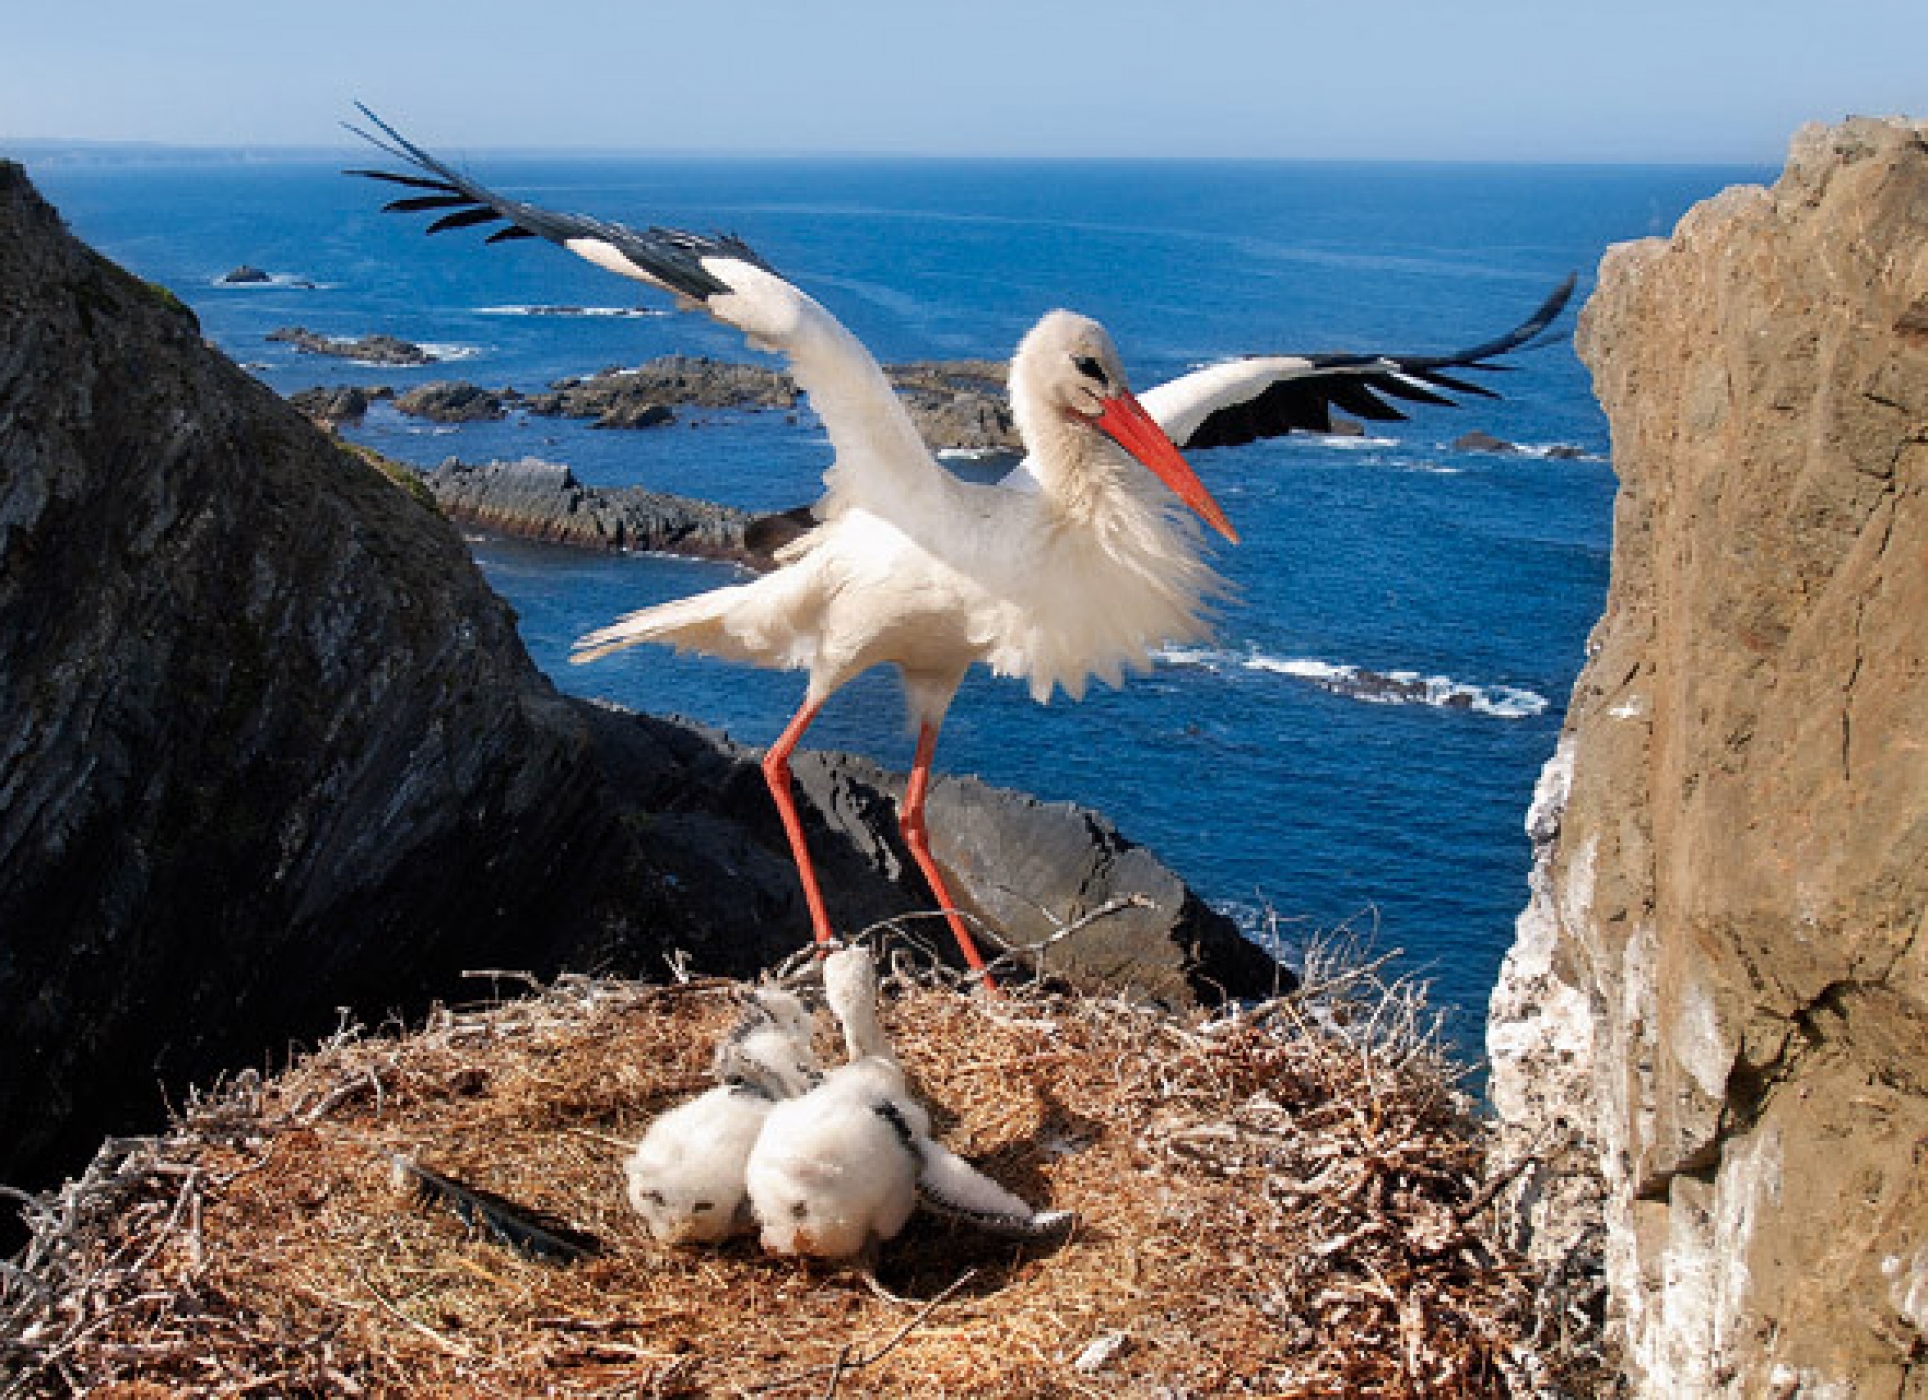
x=1078 y=566
x=842 y=1168
x=686 y=1176
x=835 y=1171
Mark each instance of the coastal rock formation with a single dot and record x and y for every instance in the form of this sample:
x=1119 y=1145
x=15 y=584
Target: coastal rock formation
x=955 y=403
x=270 y=747
x=959 y=403
x=330 y=407
x=244 y=276
x=367 y=349
x=268 y=743
x=624 y=397
x=1719 y=994
x=449 y=401
x=537 y=500
x=1032 y=869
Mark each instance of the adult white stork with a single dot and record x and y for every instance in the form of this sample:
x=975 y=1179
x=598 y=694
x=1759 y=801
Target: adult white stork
x=1077 y=565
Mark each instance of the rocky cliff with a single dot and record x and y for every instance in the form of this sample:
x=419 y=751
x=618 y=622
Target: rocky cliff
x=267 y=741
x=1719 y=995
x=269 y=746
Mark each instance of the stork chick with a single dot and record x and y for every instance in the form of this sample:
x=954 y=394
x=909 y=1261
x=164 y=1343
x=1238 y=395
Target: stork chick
x=842 y=1168
x=835 y=1171
x=686 y=1177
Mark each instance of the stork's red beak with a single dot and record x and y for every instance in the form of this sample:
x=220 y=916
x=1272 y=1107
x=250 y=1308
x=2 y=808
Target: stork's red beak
x=1125 y=421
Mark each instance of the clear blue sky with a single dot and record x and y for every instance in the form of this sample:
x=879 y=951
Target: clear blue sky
x=1684 y=80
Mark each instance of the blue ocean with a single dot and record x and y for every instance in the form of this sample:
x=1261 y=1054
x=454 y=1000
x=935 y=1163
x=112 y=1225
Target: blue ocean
x=1300 y=810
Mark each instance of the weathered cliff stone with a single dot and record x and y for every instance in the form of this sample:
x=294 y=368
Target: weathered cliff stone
x=268 y=743
x=1722 y=983
x=1030 y=869
x=538 y=500
x=269 y=746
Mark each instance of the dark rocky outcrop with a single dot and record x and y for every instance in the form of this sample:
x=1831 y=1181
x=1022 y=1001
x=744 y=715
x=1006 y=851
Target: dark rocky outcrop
x=368 y=349
x=1030 y=868
x=1719 y=995
x=537 y=500
x=448 y=401
x=1478 y=441
x=245 y=275
x=625 y=397
x=269 y=743
x=330 y=407
x=959 y=403
x=269 y=746
x=956 y=403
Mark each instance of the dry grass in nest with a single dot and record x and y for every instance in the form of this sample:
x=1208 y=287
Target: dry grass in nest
x=1266 y=1205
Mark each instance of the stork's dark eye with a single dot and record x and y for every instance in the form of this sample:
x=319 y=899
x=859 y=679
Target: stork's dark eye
x=1090 y=369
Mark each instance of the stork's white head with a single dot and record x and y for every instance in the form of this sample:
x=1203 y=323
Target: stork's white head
x=1068 y=371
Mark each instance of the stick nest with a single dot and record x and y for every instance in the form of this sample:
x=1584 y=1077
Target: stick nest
x=1286 y=1200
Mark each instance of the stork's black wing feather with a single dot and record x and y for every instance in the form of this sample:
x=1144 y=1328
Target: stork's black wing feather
x=671 y=258
x=1309 y=388
x=534 y=1233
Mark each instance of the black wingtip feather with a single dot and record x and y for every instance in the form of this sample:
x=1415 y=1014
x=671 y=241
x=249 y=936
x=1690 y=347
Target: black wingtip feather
x=669 y=258
x=415 y=204
x=466 y=218
x=530 y=1232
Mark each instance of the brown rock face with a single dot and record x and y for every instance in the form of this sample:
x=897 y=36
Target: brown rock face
x=1723 y=981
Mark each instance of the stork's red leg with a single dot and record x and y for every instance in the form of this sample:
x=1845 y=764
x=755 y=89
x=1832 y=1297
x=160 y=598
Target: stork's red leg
x=917 y=837
x=776 y=772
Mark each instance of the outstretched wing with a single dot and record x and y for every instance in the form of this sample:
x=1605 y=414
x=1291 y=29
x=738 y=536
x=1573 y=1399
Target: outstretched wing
x=881 y=460
x=1240 y=401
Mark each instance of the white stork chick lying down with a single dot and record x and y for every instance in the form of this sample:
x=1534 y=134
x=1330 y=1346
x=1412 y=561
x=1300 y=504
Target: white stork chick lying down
x=1080 y=565
x=842 y=1168
x=686 y=1176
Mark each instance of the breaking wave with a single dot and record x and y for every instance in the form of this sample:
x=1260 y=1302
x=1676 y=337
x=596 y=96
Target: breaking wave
x=613 y=311
x=1368 y=686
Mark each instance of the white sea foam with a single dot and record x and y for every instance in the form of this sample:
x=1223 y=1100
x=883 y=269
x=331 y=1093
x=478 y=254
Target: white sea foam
x=1351 y=442
x=1402 y=687
x=446 y=351
x=566 y=311
x=282 y=280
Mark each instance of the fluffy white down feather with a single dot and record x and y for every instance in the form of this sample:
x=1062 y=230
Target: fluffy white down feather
x=686 y=1177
